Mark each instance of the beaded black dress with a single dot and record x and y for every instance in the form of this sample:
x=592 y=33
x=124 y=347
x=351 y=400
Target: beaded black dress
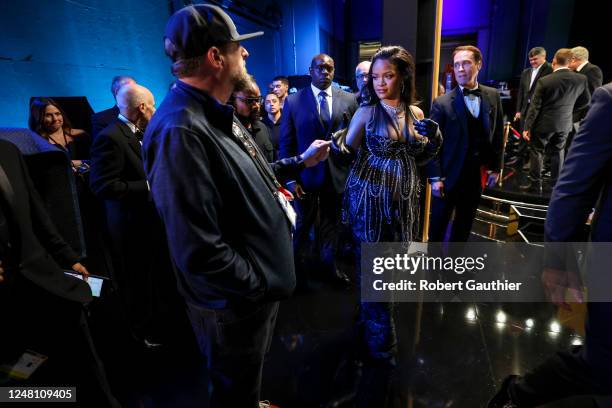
x=381 y=198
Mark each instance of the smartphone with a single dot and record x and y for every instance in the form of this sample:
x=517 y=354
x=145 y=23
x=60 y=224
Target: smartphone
x=95 y=282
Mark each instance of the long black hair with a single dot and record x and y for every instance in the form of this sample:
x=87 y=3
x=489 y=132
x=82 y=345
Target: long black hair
x=37 y=116
x=404 y=63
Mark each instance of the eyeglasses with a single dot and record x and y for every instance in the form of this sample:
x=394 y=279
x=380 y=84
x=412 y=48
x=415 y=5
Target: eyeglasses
x=251 y=101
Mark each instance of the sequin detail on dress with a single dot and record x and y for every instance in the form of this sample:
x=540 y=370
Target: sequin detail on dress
x=383 y=186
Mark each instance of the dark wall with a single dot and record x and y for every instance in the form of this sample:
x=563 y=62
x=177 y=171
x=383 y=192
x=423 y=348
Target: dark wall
x=505 y=30
x=590 y=28
x=56 y=47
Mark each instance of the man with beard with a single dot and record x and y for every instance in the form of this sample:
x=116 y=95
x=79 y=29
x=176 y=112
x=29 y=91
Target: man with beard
x=226 y=215
x=246 y=100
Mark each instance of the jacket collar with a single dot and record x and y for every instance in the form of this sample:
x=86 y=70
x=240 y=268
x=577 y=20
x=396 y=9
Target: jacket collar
x=219 y=115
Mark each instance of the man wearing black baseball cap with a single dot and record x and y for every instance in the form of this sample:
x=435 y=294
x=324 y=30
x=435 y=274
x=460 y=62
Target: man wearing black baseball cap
x=226 y=214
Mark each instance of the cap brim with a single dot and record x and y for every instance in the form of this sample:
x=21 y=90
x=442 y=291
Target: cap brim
x=247 y=36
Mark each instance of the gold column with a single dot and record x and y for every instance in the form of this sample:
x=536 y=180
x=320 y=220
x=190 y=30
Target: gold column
x=435 y=73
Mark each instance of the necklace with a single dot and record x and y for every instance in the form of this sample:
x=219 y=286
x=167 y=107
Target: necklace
x=55 y=142
x=395 y=111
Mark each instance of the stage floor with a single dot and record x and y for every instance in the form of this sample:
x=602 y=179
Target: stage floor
x=459 y=361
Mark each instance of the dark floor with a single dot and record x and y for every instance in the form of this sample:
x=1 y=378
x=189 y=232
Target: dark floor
x=462 y=355
x=463 y=351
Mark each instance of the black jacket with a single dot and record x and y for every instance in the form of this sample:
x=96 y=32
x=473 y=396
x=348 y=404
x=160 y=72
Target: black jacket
x=450 y=112
x=594 y=76
x=586 y=178
x=229 y=238
x=595 y=80
x=525 y=93
x=33 y=236
x=117 y=177
x=555 y=98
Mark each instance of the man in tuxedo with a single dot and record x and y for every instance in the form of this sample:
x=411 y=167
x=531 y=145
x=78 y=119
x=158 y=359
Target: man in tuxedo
x=315 y=112
x=43 y=307
x=142 y=268
x=470 y=118
x=579 y=62
x=585 y=182
x=549 y=119
x=102 y=119
x=539 y=68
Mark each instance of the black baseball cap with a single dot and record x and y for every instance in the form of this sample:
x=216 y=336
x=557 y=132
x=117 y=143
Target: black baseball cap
x=192 y=30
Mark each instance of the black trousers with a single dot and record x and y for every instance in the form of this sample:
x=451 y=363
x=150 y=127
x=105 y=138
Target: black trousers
x=324 y=206
x=234 y=341
x=551 y=145
x=463 y=199
x=143 y=275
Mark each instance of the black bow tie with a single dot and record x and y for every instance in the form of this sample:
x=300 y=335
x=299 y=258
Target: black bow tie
x=476 y=92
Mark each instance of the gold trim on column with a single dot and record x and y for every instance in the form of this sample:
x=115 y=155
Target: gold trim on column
x=434 y=94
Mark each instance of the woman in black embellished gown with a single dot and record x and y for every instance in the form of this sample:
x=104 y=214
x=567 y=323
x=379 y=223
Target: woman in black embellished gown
x=381 y=200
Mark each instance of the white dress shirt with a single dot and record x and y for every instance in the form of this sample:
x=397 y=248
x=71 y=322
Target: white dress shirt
x=534 y=74
x=472 y=102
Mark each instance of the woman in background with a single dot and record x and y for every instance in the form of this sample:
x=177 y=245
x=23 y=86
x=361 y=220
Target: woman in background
x=49 y=120
x=381 y=199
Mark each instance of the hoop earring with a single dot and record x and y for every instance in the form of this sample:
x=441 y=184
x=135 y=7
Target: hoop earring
x=402 y=87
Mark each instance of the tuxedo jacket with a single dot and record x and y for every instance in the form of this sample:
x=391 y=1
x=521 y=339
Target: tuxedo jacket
x=450 y=112
x=301 y=125
x=595 y=79
x=117 y=176
x=555 y=99
x=37 y=252
x=102 y=119
x=594 y=76
x=525 y=92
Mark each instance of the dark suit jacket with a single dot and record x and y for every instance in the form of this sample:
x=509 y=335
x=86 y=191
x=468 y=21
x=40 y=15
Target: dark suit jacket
x=595 y=79
x=102 y=119
x=301 y=125
x=117 y=176
x=594 y=76
x=261 y=135
x=450 y=112
x=555 y=98
x=586 y=178
x=33 y=235
x=525 y=93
